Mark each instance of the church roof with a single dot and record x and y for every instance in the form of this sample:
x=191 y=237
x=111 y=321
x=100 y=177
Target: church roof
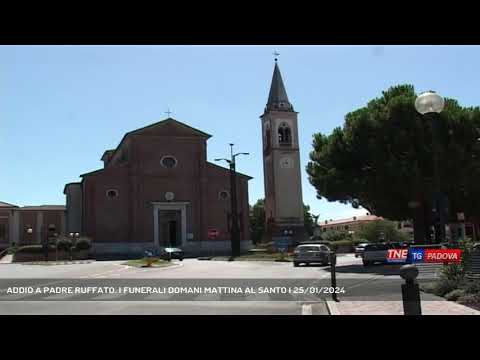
x=4 y=204
x=107 y=153
x=91 y=172
x=190 y=129
x=158 y=124
x=43 y=207
x=277 y=98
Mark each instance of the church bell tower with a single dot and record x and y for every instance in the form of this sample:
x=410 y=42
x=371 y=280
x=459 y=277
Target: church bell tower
x=281 y=165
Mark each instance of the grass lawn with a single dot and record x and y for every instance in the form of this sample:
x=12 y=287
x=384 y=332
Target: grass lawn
x=143 y=262
x=258 y=257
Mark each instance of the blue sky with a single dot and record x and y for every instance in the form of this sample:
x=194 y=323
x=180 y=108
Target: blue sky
x=62 y=106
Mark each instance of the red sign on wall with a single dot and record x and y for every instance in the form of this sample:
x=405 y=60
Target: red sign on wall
x=213 y=233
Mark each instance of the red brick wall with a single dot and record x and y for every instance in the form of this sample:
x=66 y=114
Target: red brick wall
x=219 y=179
x=107 y=219
x=4 y=217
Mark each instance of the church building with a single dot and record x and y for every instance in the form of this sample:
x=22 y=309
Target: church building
x=157 y=189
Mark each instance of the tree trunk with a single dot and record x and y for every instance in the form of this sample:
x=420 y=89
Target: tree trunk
x=419 y=225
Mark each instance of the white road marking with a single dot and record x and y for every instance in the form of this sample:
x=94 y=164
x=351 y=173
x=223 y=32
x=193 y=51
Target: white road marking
x=306 y=309
x=110 y=272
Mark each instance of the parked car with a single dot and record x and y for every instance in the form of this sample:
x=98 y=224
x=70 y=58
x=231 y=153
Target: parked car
x=359 y=249
x=311 y=253
x=170 y=253
x=375 y=253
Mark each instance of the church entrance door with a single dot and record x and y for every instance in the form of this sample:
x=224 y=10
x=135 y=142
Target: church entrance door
x=170 y=222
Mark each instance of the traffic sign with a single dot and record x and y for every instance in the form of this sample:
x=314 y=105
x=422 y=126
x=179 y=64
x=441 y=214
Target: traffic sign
x=213 y=233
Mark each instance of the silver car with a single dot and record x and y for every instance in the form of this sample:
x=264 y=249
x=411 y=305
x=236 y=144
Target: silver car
x=375 y=253
x=310 y=254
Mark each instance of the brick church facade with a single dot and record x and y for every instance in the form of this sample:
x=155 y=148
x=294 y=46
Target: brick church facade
x=157 y=189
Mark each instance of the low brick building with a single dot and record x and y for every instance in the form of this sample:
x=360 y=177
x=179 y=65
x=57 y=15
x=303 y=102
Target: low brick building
x=30 y=224
x=157 y=189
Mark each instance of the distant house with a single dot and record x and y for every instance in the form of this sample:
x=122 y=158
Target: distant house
x=354 y=223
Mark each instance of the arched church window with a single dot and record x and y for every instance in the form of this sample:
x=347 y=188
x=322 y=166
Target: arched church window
x=112 y=193
x=284 y=134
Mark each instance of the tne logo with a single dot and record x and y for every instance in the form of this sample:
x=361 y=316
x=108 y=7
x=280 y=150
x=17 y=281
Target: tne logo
x=397 y=255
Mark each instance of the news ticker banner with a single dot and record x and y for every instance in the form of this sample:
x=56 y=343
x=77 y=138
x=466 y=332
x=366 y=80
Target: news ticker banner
x=420 y=255
x=362 y=288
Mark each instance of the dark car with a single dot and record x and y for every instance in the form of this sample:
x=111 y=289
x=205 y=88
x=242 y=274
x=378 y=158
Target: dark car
x=170 y=253
x=311 y=253
x=359 y=249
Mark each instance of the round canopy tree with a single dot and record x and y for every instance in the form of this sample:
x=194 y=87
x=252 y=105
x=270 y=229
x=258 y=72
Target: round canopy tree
x=382 y=156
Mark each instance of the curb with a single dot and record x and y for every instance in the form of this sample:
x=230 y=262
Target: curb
x=332 y=308
x=79 y=262
x=157 y=268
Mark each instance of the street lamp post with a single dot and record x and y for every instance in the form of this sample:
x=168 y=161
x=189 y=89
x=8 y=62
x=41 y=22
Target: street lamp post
x=74 y=237
x=234 y=229
x=431 y=104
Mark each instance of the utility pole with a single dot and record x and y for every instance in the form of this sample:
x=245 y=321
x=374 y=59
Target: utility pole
x=234 y=228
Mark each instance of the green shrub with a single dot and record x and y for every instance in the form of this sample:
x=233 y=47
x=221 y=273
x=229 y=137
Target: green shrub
x=469 y=299
x=429 y=287
x=373 y=229
x=64 y=243
x=83 y=244
x=466 y=245
x=335 y=235
x=455 y=294
x=359 y=241
x=342 y=243
x=335 y=245
x=33 y=249
x=471 y=287
x=12 y=250
x=452 y=272
x=443 y=286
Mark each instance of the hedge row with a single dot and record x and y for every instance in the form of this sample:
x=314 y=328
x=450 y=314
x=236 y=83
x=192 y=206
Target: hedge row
x=63 y=244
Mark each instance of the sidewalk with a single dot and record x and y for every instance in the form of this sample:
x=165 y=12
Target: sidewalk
x=440 y=307
x=7 y=259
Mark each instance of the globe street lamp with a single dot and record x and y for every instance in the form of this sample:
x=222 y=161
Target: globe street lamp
x=430 y=104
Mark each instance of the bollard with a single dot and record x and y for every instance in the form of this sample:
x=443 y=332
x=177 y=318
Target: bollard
x=333 y=263
x=410 y=291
